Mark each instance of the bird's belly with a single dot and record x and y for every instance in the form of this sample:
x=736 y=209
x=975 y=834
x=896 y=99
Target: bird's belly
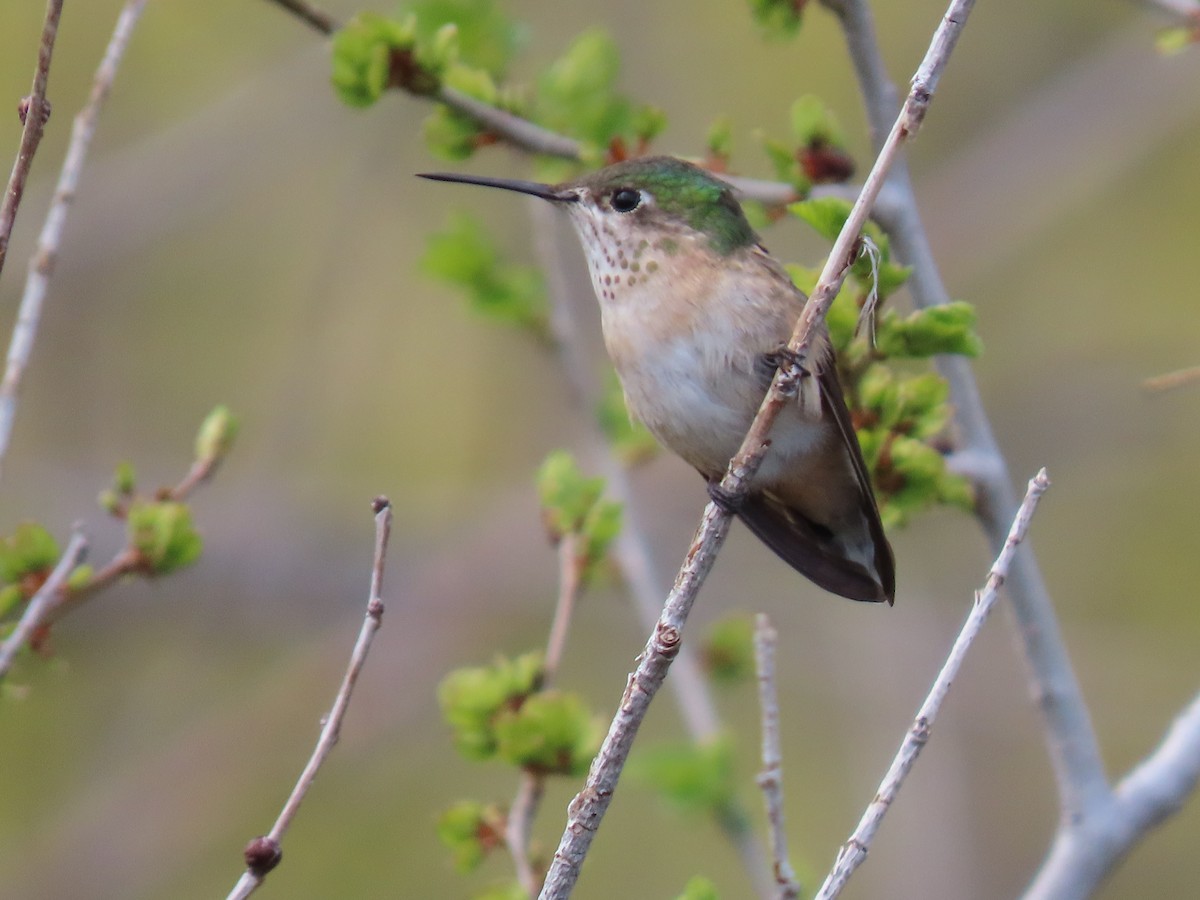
x=702 y=412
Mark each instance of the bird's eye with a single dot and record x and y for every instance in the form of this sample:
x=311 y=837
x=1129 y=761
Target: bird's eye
x=626 y=200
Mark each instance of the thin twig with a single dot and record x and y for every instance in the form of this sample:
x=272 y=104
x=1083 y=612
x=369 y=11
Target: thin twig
x=523 y=809
x=42 y=602
x=1071 y=740
x=42 y=264
x=264 y=853
x=1172 y=380
x=316 y=18
x=771 y=777
x=570 y=583
x=35 y=110
x=854 y=851
x=589 y=806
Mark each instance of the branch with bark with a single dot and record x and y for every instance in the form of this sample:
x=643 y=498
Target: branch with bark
x=264 y=853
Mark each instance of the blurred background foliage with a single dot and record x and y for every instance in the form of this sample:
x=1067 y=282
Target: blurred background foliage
x=243 y=237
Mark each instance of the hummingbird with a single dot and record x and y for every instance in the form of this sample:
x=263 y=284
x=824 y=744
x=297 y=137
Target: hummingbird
x=696 y=316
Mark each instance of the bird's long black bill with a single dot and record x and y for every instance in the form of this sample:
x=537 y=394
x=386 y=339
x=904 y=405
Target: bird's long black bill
x=533 y=188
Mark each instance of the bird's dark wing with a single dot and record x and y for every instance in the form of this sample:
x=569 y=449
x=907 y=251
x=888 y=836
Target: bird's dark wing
x=808 y=546
x=834 y=402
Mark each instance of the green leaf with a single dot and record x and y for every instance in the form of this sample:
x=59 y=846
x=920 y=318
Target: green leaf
x=1171 y=41
x=949 y=328
x=11 y=598
x=728 y=650
x=599 y=530
x=695 y=778
x=567 y=496
x=552 y=732
x=463 y=254
x=785 y=163
x=163 y=534
x=472 y=698
x=30 y=549
x=124 y=478
x=814 y=124
x=577 y=94
x=470 y=830
x=362 y=55
x=485 y=36
x=779 y=18
x=826 y=215
x=214 y=439
x=719 y=140
x=699 y=888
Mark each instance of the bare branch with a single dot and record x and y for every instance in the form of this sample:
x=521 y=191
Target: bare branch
x=264 y=853
x=771 y=777
x=1086 y=851
x=854 y=851
x=35 y=112
x=1071 y=740
x=1172 y=380
x=42 y=602
x=42 y=264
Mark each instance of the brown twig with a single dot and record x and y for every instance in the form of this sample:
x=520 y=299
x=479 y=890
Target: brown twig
x=264 y=853
x=523 y=809
x=770 y=780
x=42 y=264
x=35 y=112
x=854 y=851
x=42 y=603
x=316 y=18
x=1172 y=380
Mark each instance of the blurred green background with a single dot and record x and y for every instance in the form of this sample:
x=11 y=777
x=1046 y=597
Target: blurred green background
x=241 y=237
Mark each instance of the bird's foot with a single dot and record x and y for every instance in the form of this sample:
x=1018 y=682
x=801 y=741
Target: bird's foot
x=787 y=361
x=725 y=500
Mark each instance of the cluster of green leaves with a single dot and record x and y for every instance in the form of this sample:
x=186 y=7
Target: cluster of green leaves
x=27 y=557
x=577 y=95
x=816 y=153
x=900 y=407
x=501 y=712
x=160 y=533
x=573 y=504
x=465 y=256
x=465 y=46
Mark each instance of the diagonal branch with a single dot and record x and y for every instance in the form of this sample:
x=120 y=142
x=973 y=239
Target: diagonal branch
x=45 y=256
x=589 y=806
x=264 y=853
x=854 y=851
x=42 y=603
x=1070 y=737
x=35 y=111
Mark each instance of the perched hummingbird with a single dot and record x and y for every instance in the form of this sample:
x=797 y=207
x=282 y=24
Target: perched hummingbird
x=696 y=314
